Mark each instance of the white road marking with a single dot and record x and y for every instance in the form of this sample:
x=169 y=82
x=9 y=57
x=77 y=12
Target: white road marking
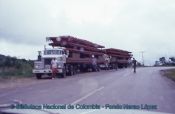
x=87 y=112
x=86 y=96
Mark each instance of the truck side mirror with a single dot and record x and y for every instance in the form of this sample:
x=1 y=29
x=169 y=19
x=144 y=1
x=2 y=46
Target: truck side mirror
x=39 y=55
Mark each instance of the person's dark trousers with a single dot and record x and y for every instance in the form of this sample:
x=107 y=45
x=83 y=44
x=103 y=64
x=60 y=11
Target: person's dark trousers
x=134 y=69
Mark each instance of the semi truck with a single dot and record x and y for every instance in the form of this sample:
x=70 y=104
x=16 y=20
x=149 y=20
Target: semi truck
x=73 y=55
x=76 y=55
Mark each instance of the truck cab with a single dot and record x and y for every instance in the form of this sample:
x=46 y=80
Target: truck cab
x=42 y=66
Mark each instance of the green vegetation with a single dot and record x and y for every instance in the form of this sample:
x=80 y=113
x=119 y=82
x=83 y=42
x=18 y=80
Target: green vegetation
x=13 y=67
x=165 y=62
x=170 y=73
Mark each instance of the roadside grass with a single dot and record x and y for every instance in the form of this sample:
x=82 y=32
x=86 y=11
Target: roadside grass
x=12 y=73
x=170 y=73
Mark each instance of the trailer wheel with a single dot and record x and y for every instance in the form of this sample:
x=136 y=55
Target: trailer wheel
x=38 y=76
x=116 y=67
x=63 y=75
x=98 y=69
x=75 y=70
x=71 y=71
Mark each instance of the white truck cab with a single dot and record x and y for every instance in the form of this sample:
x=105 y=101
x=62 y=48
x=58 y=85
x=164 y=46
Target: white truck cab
x=43 y=64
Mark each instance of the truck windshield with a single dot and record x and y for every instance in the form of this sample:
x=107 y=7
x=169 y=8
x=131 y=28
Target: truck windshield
x=53 y=52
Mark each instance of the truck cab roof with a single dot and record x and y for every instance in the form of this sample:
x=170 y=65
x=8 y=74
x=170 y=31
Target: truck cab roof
x=53 y=52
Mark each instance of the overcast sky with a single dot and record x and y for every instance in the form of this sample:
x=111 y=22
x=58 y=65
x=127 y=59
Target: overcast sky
x=133 y=25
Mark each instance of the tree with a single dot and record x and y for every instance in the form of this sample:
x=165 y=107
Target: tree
x=172 y=59
x=7 y=61
x=162 y=60
x=157 y=63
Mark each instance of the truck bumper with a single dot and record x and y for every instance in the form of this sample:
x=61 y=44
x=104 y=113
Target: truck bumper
x=45 y=71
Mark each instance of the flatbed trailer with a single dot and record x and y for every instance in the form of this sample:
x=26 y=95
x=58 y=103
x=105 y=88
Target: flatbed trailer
x=80 y=53
x=118 y=58
x=76 y=55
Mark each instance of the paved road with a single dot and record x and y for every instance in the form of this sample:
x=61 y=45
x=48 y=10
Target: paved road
x=147 y=86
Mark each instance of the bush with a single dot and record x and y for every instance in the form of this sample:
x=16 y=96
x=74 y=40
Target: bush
x=11 y=66
x=170 y=73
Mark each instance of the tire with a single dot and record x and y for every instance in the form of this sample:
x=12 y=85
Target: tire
x=75 y=70
x=116 y=67
x=71 y=73
x=38 y=76
x=98 y=69
x=63 y=75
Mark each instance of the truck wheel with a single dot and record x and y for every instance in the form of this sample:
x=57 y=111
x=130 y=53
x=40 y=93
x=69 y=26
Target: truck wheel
x=75 y=70
x=71 y=71
x=63 y=75
x=98 y=69
x=38 y=76
x=116 y=67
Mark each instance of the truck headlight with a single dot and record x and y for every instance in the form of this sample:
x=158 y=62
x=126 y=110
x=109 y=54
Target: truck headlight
x=59 y=66
x=36 y=66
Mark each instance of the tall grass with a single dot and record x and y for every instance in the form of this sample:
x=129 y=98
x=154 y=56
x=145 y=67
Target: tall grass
x=170 y=73
x=22 y=70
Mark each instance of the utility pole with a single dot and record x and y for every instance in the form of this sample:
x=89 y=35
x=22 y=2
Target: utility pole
x=142 y=52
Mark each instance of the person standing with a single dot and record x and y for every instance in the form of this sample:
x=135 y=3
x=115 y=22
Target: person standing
x=54 y=67
x=94 y=63
x=134 y=64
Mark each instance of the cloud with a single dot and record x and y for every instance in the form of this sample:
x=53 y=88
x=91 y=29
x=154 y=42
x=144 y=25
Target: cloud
x=19 y=51
x=137 y=25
